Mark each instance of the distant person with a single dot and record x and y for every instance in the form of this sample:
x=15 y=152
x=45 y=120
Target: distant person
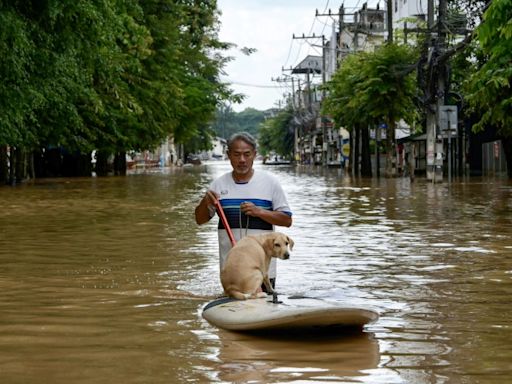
x=253 y=201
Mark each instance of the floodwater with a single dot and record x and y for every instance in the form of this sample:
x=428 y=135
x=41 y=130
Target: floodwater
x=102 y=281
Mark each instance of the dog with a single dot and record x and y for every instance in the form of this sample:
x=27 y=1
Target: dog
x=247 y=263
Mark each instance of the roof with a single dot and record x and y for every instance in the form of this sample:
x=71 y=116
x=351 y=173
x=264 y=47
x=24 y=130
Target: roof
x=415 y=137
x=311 y=64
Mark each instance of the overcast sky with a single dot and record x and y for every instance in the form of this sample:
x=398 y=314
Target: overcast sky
x=268 y=26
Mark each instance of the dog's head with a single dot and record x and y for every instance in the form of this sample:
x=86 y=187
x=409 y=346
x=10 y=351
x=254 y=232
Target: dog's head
x=281 y=245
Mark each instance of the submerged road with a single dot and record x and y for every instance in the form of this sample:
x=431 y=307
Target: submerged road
x=103 y=280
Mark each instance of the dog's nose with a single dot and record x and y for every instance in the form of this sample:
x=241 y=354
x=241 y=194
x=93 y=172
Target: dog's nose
x=286 y=256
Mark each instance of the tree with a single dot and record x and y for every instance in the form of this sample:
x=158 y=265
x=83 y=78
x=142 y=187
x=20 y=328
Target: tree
x=227 y=122
x=342 y=103
x=489 y=87
x=277 y=134
x=375 y=87
x=107 y=75
x=249 y=120
x=389 y=90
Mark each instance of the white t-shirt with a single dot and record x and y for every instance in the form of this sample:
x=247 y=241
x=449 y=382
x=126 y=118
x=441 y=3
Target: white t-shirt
x=264 y=191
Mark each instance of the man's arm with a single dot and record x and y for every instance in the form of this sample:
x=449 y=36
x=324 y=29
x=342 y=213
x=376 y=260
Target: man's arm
x=205 y=210
x=272 y=217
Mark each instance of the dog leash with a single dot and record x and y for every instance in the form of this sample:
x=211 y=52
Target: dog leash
x=225 y=222
x=240 y=222
x=232 y=237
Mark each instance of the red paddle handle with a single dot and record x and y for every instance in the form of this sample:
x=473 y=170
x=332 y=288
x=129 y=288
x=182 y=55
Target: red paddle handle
x=225 y=222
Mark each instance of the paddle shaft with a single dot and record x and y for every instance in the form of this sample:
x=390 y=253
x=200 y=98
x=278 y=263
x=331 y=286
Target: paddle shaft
x=225 y=222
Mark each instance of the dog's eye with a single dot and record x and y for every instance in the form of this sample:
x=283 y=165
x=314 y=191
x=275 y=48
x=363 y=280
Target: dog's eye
x=277 y=245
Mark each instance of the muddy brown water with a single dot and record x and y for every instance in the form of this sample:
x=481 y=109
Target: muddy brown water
x=102 y=281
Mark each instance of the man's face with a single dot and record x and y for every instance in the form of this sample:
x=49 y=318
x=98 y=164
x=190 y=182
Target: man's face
x=241 y=156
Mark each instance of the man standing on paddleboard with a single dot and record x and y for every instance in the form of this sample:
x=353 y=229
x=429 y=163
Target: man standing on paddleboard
x=253 y=200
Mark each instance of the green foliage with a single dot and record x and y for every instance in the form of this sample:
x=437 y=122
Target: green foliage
x=277 y=135
x=413 y=38
x=388 y=87
x=228 y=122
x=249 y=120
x=373 y=87
x=489 y=89
x=109 y=75
x=18 y=97
x=341 y=103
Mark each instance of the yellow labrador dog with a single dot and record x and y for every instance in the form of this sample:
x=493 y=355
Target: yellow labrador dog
x=247 y=263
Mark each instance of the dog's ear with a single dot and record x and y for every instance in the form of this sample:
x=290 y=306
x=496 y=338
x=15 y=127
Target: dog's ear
x=268 y=244
x=290 y=241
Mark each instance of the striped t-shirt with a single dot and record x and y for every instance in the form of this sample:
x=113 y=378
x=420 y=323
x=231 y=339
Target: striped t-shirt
x=264 y=191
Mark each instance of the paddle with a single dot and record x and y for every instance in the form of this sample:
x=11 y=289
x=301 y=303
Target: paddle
x=225 y=222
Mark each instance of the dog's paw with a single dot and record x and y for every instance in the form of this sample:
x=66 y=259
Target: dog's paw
x=260 y=295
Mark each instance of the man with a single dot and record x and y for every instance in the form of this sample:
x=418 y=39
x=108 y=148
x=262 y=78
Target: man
x=253 y=201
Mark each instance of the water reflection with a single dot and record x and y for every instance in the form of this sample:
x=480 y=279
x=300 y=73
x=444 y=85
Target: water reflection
x=103 y=281
x=247 y=358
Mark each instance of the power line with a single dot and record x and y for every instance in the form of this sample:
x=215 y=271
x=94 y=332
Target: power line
x=253 y=85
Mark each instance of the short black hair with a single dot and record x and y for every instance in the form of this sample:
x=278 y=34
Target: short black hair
x=244 y=136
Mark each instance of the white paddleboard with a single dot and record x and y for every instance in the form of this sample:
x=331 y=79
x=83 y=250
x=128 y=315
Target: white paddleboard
x=289 y=313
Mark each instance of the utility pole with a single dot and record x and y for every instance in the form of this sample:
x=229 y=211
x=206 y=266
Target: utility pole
x=309 y=71
x=287 y=79
x=436 y=89
x=390 y=20
x=325 y=144
x=326 y=152
x=296 y=109
x=441 y=82
x=299 y=90
x=310 y=102
x=431 y=107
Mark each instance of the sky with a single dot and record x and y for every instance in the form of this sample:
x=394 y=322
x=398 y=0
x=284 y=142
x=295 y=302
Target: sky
x=269 y=26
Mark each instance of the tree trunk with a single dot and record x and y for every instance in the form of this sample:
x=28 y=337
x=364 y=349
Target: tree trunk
x=30 y=165
x=21 y=168
x=77 y=164
x=102 y=163
x=357 y=138
x=84 y=164
x=120 y=163
x=39 y=163
x=351 y=151
x=4 y=168
x=390 y=148
x=366 y=160
x=52 y=162
x=68 y=164
x=412 y=161
x=12 y=165
x=507 y=148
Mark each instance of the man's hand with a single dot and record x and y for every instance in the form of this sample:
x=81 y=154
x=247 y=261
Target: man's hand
x=250 y=209
x=205 y=210
x=272 y=217
x=211 y=198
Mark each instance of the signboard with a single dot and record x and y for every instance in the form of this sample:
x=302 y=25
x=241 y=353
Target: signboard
x=345 y=150
x=448 y=120
x=496 y=149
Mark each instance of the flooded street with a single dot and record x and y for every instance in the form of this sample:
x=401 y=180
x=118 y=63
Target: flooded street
x=103 y=281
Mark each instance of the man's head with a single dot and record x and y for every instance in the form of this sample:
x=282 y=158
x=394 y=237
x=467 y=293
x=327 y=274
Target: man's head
x=241 y=153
